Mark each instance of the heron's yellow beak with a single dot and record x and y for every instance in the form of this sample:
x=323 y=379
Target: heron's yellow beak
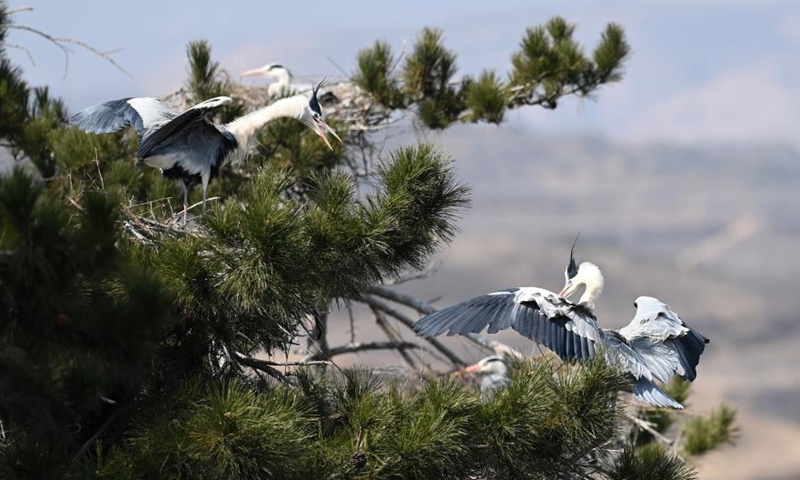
x=253 y=72
x=471 y=369
x=323 y=129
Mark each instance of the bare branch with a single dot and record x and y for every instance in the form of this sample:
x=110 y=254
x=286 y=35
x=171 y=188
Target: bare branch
x=60 y=41
x=379 y=305
x=260 y=365
x=27 y=52
x=361 y=347
x=649 y=427
x=383 y=324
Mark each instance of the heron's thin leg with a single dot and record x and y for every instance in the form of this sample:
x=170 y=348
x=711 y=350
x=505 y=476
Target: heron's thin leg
x=205 y=179
x=185 y=203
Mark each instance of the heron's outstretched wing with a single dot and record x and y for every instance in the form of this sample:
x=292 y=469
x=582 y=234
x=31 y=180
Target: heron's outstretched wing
x=141 y=113
x=642 y=368
x=180 y=122
x=665 y=343
x=565 y=328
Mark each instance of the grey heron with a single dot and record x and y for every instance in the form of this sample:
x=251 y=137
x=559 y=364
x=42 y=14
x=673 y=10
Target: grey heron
x=654 y=346
x=189 y=146
x=284 y=83
x=494 y=374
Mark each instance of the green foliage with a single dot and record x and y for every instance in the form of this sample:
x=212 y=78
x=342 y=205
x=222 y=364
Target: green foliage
x=355 y=426
x=704 y=433
x=374 y=75
x=550 y=65
x=650 y=462
x=486 y=98
x=80 y=324
x=207 y=81
x=265 y=266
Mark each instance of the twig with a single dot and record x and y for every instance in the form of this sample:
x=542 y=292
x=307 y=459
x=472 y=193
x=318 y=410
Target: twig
x=645 y=425
x=261 y=365
x=100 y=173
x=383 y=324
x=379 y=305
x=18 y=10
x=420 y=275
x=27 y=52
x=59 y=41
x=97 y=434
x=361 y=347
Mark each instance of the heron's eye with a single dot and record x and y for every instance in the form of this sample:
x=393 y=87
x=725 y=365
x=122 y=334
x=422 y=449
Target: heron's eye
x=635 y=305
x=316 y=116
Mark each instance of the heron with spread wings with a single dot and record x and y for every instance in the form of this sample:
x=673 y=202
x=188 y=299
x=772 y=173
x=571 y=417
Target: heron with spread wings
x=653 y=347
x=189 y=146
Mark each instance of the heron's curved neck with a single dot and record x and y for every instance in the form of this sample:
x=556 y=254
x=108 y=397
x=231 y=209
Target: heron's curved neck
x=245 y=128
x=592 y=278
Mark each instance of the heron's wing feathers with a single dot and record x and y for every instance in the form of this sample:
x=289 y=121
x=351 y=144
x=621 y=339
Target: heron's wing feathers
x=141 y=113
x=664 y=342
x=535 y=313
x=648 y=392
x=180 y=122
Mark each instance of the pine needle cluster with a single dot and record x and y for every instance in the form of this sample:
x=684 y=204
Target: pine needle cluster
x=549 y=65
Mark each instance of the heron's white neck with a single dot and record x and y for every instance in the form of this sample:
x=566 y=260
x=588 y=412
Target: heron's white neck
x=592 y=278
x=282 y=76
x=245 y=128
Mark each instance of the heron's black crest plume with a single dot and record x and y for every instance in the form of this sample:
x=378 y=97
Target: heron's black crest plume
x=314 y=102
x=276 y=65
x=572 y=268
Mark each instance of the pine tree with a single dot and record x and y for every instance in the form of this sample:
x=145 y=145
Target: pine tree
x=128 y=342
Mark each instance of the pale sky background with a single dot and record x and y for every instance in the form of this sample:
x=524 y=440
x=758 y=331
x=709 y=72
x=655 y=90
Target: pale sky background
x=711 y=71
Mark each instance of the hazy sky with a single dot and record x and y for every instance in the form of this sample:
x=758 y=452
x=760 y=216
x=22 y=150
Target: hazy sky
x=717 y=70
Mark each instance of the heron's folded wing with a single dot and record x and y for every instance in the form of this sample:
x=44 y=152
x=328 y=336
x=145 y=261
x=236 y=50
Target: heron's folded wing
x=180 y=122
x=141 y=113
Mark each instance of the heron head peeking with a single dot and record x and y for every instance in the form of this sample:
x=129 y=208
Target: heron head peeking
x=270 y=70
x=585 y=275
x=312 y=117
x=490 y=365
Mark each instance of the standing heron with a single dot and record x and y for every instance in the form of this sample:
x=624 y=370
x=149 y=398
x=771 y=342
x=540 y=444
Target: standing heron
x=654 y=346
x=189 y=146
x=494 y=374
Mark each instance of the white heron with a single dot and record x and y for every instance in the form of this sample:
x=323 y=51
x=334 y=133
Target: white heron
x=654 y=346
x=493 y=372
x=189 y=146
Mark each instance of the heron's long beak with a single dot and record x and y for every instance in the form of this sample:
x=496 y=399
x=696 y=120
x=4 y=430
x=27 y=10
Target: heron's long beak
x=471 y=369
x=566 y=291
x=323 y=129
x=253 y=72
